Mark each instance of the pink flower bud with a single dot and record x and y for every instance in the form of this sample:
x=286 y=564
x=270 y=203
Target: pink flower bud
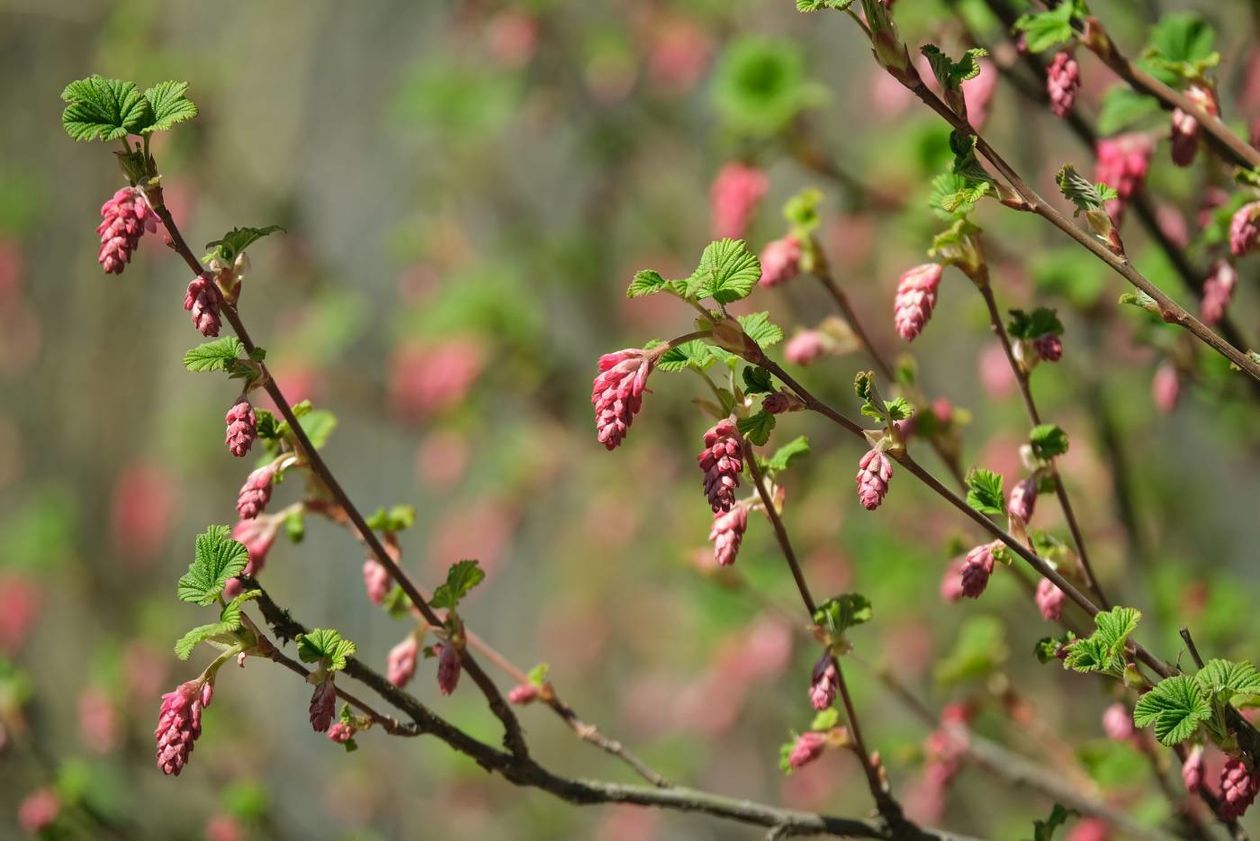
x=1050 y=600
x=376 y=581
x=777 y=403
x=203 y=299
x=1089 y=829
x=977 y=567
x=809 y=746
x=1063 y=80
x=38 y=810
x=401 y=666
x=1244 y=230
x=978 y=93
x=1123 y=162
x=1117 y=723
x=224 y=828
x=448 y=667
x=1023 y=500
x=522 y=694
x=340 y=732
x=805 y=347
x=1049 y=347
x=824 y=682
x=256 y=492
x=242 y=428
x=916 y=296
x=1185 y=128
x=874 y=471
x=98 y=721
x=179 y=725
x=1238 y=789
x=617 y=393
x=1192 y=770
x=780 y=261
x=323 y=705
x=258 y=535
x=1166 y=387
x=951 y=582
x=233 y=588
x=722 y=461
x=727 y=533
x=1218 y=289
x=124 y=219
x=736 y=191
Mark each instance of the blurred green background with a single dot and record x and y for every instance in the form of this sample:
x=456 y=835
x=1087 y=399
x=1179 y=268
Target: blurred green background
x=466 y=189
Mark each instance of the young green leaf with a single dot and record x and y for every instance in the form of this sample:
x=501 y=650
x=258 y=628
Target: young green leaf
x=979 y=649
x=318 y=426
x=213 y=356
x=1122 y=107
x=1040 y=322
x=1103 y=650
x=802 y=211
x=815 y=5
x=104 y=109
x=647 y=282
x=898 y=409
x=951 y=74
x=1180 y=48
x=1048 y=441
x=757 y=380
x=169 y=104
x=217 y=558
x=222 y=632
x=460 y=579
x=955 y=194
x=761 y=329
x=237 y=240
x=1175 y=707
x=1080 y=191
x=1221 y=680
x=398 y=518
x=727 y=273
x=798 y=446
x=325 y=646
x=825 y=720
x=984 y=491
x=694 y=354
x=1114 y=627
x=1044 y=30
x=838 y=614
x=757 y=428
x=538 y=675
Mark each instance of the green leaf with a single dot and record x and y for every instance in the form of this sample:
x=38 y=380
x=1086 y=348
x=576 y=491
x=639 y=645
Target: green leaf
x=1048 y=441
x=217 y=558
x=213 y=356
x=898 y=409
x=1083 y=193
x=318 y=426
x=984 y=491
x=760 y=86
x=104 y=109
x=1175 y=707
x=398 y=518
x=863 y=383
x=397 y=604
x=222 y=632
x=1123 y=107
x=798 y=446
x=460 y=579
x=695 y=354
x=802 y=211
x=169 y=104
x=538 y=675
x=325 y=646
x=757 y=380
x=238 y=239
x=295 y=526
x=815 y=5
x=1047 y=648
x=1045 y=830
x=1103 y=651
x=1042 y=321
x=761 y=329
x=825 y=720
x=1180 y=48
x=979 y=649
x=647 y=282
x=1221 y=680
x=757 y=428
x=839 y=613
x=951 y=74
x=955 y=194
x=728 y=271
x=1044 y=30
x=1115 y=626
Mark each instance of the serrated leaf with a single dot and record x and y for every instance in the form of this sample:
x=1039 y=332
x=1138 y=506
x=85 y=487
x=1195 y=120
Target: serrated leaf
x=955 y=194
x=222 y=631
x=1083 y=193
x=1048 y=441
x=815 y=5
x=1103 y=650
x=213 y=356
x=1042 y=321
x=325 y=646
x=104 y=109
x=1044 y=30
x=798 y=446
x=646 y=282
x=951 y=74
x=761 y=329
x=728 y=271
x=238 y=239
x=757 y=428
x=839 y=613
x=169 y=104
x=1180 y=48
x=984 y=491
x=1114 y=627
x=217 y=558
x=757 y=380
x=1221 y=680
x=398 y=518
x=1175 y=707
x=898 y=409
x=318 y=426
x=460 y=579
x=696 y=354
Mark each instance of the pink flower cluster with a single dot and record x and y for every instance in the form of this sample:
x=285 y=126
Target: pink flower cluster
x=617 y=393
x=341 y=732
x=242 y=428
x=258 y=535
x=1050 y=600
x=805 y=347
x=203 y=300
x=179 y=724
x=401 y=665
x=1192 y=770
x=736 y=191
x=969 y=576
x=256 y=492
x=1244 y=229
x=1117 y=723
x=376 y=581
x=522 y=694
x=39 y=810
x=874 y=471
x=824 y=682
x=1239 y=786
x=1166 y=387
x=1218 y=289
x=722 y=461
x=1123 y=162
x=1023 y=500
x=809 y=746
x=1063 y=80
x=916 y=296
x=124 y=219
x=780 y=261
x=727 y=533
x=1185 y=128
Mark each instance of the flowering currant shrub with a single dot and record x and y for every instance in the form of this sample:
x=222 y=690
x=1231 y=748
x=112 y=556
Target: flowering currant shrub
x=767 y=417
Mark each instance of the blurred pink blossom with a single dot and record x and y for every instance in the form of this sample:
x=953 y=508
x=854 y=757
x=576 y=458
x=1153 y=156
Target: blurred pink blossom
x=679 y=55
x=736 y=192
x=98 y=721
x=442 y=459
x=426 y=379
x=996 y=375
x=224 y=828
x=38 y=811
x=20 y=600
x=512 y=36
x=143 y=507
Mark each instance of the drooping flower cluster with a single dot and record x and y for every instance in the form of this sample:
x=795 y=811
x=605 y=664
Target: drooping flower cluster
x=1063 y=80
x=1166 y=387
x=258 y=535
x=809 y=746
x=824 y=682
x=124 y=219
x=780 y=261
x=805 y=347
x=1244 y=229
x=448 y=667
x=617 y=393
x=323 y=705
x=179 y=724
x=1123 y=162
x=976 y=569
x=39 y=810
x=401 y=665
x=1218 y=289
x=874 y=472
x=341 y=732
x=1185 y=128
x=256 y=492
x=376 y=581
x=203 y=300
x=1023 y=500
x=1117 y=723
x=722 y=461
x=1050 y=600
x=916 y=296
x=946 y=747
x=727 y=533
x=522 y=694
x=1239 y=787
x=736 y=191
x=242 y=428
x=1192 y=770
